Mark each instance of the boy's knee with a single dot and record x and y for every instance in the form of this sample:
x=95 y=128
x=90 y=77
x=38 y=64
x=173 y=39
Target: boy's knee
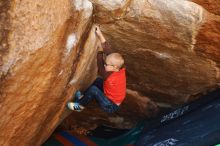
x=98 y=81
x=93 y=89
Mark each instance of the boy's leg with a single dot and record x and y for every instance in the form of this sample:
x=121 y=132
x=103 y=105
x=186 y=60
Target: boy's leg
x=94 y=92
x=78 y=95
x=98 y=83
x=75 y=105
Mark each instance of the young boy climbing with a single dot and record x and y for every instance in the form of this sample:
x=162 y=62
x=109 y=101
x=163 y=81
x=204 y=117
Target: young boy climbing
x=109 y=90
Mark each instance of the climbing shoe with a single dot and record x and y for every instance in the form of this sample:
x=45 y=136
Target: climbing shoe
x=75 y=106
x=78 y=96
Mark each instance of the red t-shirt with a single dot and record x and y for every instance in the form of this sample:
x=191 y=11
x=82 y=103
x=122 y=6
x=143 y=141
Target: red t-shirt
x=115 y=86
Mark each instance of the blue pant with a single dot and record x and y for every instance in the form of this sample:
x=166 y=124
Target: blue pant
x=95 y=91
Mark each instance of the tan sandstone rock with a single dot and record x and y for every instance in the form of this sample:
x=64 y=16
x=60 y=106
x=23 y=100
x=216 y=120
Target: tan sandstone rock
x=42 y=47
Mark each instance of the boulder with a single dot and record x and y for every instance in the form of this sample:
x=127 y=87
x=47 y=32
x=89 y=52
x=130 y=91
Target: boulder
x=41 y=49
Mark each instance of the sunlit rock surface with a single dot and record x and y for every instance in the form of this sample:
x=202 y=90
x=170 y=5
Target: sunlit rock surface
x=48 y=50
x=41 y=49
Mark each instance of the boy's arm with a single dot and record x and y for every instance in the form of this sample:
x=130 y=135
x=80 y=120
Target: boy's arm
x=105 y=49
x=100 y=63
x=105 y=45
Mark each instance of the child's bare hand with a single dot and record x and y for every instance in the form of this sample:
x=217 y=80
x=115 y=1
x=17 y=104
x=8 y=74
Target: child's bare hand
x=97 y=30
x=99 y=34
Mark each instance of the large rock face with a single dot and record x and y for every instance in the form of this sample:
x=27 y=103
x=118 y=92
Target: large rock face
x=42 y=47
x=48 y=50
x=164 y=46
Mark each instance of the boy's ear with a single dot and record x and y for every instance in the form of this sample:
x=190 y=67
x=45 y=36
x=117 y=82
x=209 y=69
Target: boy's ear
x=116 y=67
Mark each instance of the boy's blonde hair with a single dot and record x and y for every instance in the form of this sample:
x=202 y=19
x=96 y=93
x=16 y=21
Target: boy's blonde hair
x=116 y=59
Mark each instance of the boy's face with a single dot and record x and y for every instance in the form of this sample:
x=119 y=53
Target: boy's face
x=109 y=64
